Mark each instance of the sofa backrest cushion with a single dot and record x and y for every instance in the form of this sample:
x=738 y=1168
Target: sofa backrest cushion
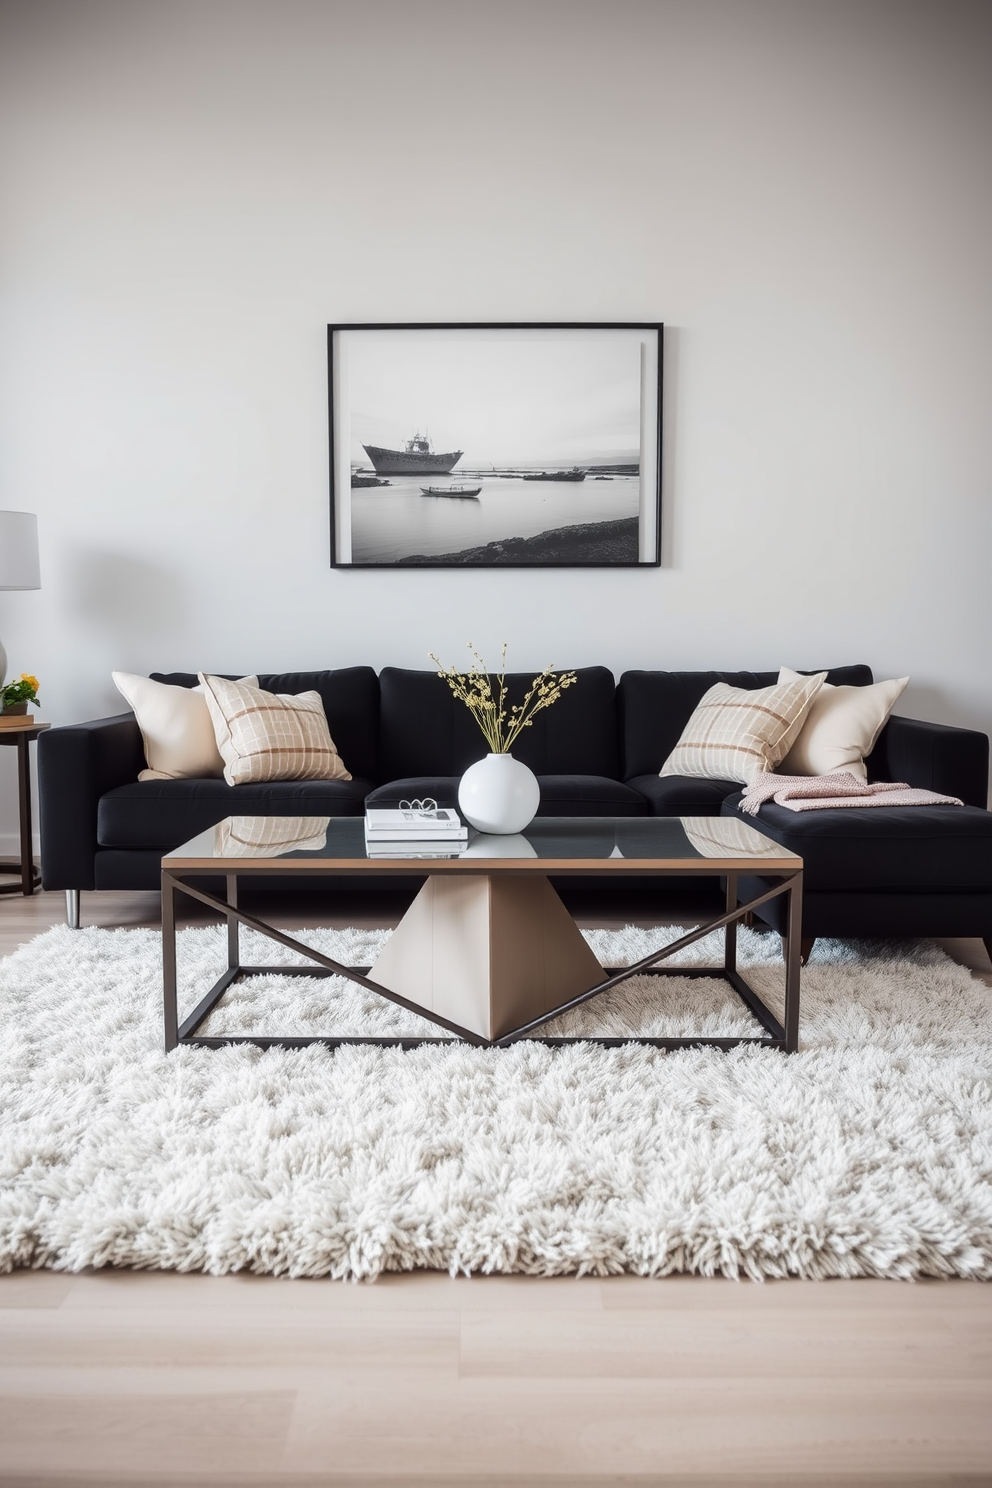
x=654 y=708
x=351 y=701
x=425 y=730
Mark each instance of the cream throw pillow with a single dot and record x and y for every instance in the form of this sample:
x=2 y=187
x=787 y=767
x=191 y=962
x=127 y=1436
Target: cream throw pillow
x=175 y=726
x=271 y=736
x=841 y=728
x=735 y=733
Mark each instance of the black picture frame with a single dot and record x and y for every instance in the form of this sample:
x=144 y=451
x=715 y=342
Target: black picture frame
x=558 y=463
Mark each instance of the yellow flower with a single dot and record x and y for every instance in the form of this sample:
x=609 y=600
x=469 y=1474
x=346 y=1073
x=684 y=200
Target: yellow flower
x=32 y=681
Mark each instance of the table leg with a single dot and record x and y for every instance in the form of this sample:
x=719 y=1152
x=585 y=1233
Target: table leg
x=730 y=929
x=793 y=962
x=24 y=792
x=169 y=988
x=233 y=946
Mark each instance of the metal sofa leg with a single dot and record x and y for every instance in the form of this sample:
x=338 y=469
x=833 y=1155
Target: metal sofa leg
x=805 y=947
x=72 y=908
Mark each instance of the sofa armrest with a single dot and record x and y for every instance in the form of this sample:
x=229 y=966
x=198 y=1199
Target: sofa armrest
x=76 y=764
x=953 y=761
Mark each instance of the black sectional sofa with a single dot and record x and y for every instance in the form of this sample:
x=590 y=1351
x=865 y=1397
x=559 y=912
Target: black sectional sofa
x=917 y=871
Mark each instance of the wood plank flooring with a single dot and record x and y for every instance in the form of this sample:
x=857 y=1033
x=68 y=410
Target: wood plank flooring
x=155 y=1379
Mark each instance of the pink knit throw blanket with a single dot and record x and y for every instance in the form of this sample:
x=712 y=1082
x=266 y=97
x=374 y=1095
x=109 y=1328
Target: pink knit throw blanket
x=820 y=792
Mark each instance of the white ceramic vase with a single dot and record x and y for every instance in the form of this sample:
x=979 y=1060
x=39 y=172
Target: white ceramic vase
x=499 y=794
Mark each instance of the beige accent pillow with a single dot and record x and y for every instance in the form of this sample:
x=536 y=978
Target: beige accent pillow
x=735 y=733
x=175 y=726
x=271 y=736
x=841 y=728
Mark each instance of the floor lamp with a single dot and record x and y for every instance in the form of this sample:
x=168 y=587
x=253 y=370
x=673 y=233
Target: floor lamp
x=18 y=560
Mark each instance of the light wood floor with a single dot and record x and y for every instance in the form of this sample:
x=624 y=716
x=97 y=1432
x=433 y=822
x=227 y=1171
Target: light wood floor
x=129 y=1378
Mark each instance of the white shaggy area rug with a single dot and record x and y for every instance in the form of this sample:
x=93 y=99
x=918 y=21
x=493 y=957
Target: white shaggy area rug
x=868 y=1153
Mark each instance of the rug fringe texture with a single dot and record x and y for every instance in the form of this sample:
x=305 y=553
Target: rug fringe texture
x=868 y=1153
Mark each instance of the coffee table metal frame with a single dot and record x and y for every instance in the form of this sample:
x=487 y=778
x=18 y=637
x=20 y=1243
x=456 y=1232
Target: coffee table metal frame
x=784 y=1035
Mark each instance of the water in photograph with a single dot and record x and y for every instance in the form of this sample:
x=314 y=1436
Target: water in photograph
x=392 y=522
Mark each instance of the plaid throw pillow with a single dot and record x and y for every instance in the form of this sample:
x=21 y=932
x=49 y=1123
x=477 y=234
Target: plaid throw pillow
x=735 y=734
x=270 y=736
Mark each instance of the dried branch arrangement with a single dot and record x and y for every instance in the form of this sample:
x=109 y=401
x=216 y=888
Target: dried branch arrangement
x=485 y=697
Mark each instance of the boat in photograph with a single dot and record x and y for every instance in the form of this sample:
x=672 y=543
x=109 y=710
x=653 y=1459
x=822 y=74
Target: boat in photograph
x=416 y=459
x=465 y=492
x=558 y=475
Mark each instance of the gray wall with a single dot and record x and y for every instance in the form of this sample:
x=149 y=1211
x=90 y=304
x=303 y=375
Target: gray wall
x=799 y=190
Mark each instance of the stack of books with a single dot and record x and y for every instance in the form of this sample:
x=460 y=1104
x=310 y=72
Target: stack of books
x=421 y=832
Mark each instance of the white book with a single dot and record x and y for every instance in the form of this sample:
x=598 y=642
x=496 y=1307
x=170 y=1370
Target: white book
x=455 y=843
x=390 y=824
x=453 y=834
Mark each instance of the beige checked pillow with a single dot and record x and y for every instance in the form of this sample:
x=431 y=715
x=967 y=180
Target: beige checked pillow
x=734 y=733
x=270 y=736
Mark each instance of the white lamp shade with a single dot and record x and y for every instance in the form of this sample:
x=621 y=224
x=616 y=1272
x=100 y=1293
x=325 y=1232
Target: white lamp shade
x=19 y=551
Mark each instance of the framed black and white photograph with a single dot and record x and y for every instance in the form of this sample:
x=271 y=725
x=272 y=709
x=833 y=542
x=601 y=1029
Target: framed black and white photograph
x=496 y=446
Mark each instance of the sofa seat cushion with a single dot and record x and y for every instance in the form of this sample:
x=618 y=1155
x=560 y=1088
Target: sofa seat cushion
x=683 y=795
x=561 y=795
x=919 y=849
x=161 y=814
x=588 y=795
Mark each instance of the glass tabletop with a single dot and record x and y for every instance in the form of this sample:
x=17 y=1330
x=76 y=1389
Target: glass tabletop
x=598 y=840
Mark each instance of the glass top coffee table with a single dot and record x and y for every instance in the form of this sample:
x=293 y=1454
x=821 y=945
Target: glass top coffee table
x=487 y=950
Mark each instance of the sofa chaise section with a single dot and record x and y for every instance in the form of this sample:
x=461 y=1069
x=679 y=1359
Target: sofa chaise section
x=886 y=872
x=883 y=871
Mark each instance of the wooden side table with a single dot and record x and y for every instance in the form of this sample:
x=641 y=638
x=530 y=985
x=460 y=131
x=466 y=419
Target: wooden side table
x=19 y=733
